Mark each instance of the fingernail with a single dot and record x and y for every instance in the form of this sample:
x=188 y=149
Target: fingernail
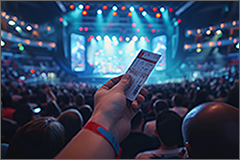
x=126 y=76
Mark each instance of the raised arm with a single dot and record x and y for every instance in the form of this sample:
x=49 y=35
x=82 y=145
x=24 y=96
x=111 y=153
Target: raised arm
x=111 y=113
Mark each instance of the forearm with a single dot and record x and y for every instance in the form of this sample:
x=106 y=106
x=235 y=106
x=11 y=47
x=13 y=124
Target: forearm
x=87 y=145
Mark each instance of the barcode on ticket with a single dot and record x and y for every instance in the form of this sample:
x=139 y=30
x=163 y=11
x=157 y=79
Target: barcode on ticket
x=140 y=69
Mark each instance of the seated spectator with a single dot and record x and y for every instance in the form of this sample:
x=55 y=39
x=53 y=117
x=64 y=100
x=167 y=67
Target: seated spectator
x=178 y=101
x=168 y=131
x=79 y=100
x=7 y=108
x=72 y=122
x=41 y=138
x=23 y=114
x=158 y=106
x=233 y=97
x=86 y=112
x=52 y=109
x=137 y=141
x=211 y=131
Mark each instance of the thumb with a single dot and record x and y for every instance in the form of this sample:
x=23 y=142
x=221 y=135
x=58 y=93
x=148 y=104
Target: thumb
x=125 y=82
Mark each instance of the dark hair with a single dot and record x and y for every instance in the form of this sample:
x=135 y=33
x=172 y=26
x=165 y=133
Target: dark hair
x=79 y=99
x=53 y=109
x=168 y=127
x=6 y=101
x=41 y=138
x=137 y=119
x=23 y=114
x=65 y=98
x=72 y=121
x=86 y=112
x=160 y=105
x=178 y=99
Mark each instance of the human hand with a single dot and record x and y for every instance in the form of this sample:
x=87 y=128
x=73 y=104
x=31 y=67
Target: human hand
x=111 y=109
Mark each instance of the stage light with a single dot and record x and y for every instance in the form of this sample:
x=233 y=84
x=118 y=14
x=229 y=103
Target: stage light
x=179 y=20
x=218 y=32
x=87 y=7
x=198 y=31
x=32 y=70
x=71 y=6
x=144 y=13
x=7 y=16
x=142 y=38
x=138 y=30
x=170 y=9
x=199 y=45
x=127 y=39
x=140 y=9
x=123 y=8
x=129 y=14
x=114 y=38
x=210 y=28
x=98 y=38
x=104 y=7
x=189 y=32
x=230 y=38
x=186 y=46
x=235 y=40
x=40 y=43
x=222 y=25
x=99 y=11
x=9 y=34
x=135 y=38
x=154 y=9
x=11 y=23
x=86 y=29
x=22 y=23
x=114 y=13
x=131 y=8
x=237 y=45
x=134 y=24
x=2 y=43
x=27 y=41
x=234 y=23
x=120 y=38
x=29 y=28
x=36 y=26
x=219 y=43
x=80 y=28
x=114 y=8
x=153 y=30
x=48 y=28
x=21 y=48
x=198 y=50
x=84 y=12
x=211 y=44
x=158 y=15
x=106 y=37
x=60 y=19
x=80 y=6
x=162 y=9
x=208 y=32
x=3 y=14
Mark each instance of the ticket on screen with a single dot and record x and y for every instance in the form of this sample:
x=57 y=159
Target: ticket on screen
x=140 y=69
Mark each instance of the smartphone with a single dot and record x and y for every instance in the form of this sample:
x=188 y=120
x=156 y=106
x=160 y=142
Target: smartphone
x=37 y=110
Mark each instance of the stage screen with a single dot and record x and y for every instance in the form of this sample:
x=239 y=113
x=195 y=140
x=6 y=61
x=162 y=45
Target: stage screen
x=77 y=52
x=110 y=56
x=159 y=45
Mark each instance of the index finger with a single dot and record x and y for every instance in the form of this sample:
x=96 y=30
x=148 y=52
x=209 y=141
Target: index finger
x=109 y=84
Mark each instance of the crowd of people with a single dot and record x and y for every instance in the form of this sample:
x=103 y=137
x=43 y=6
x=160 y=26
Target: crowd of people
x=165 y=120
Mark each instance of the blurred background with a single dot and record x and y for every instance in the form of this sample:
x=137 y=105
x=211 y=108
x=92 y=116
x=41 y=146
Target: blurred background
x=91 y=41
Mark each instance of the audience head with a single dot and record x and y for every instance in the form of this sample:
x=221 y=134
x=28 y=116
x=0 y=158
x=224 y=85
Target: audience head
x=86 y=112
x=178 y=100
x=53 y=109
x=79 y=99
x=233 y=97
x=211 y=130
x=6 y=101
x=160 y=105
x=23 y=114
x=41 y=138
x=168 y=127
x=72 y=121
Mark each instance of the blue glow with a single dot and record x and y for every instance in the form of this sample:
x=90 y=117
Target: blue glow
x=114 y=8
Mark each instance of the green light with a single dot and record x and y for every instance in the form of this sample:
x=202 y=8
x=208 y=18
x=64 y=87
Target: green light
x=220 y=35
x=2 y=43
x=21 y=48
x=127 y=39
x=237 y=45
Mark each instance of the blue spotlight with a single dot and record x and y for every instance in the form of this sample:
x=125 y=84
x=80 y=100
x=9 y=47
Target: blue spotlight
x=144 y=13
x=114 y=8
x=80 y=6
x=99 y=11
x=131 y=8
x=162 y=9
